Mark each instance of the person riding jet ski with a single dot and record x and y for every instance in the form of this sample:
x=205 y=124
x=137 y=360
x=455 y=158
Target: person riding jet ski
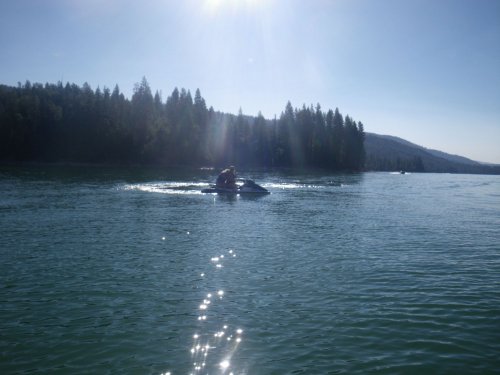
x=227 y=179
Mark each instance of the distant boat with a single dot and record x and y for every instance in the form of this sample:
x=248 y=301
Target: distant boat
x=402 y=172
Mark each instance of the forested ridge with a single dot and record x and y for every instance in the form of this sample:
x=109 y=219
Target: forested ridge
x=69 y=123
x=389 y=153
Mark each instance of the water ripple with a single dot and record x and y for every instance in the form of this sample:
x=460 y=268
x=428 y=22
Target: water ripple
x=330 y=274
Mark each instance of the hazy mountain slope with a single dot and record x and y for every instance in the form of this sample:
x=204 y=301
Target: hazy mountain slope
x=439 y=154
x=385 y=152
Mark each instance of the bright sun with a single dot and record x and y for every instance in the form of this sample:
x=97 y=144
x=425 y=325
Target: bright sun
x=216 y=4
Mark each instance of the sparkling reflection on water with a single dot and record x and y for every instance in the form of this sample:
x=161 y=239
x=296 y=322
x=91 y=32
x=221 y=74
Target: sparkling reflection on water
x=106 y=272
x=216 y=339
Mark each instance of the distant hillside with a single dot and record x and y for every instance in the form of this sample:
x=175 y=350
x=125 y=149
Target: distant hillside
x=384 y=152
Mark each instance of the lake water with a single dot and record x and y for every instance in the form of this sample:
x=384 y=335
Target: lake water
x=135 y=271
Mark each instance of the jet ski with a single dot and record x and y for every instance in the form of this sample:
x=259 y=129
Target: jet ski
x=248 y=187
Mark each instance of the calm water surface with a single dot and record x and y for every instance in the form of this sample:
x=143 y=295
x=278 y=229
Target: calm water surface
x=137 y=272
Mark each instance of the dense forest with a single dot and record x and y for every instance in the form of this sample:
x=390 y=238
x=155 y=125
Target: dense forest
x=68 y=123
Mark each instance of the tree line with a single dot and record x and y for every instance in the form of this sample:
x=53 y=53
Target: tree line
x=408 y=164
x=69 y=123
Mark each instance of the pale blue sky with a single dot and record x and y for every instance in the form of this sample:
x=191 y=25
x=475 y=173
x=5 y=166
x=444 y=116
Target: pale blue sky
x=424 y=70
